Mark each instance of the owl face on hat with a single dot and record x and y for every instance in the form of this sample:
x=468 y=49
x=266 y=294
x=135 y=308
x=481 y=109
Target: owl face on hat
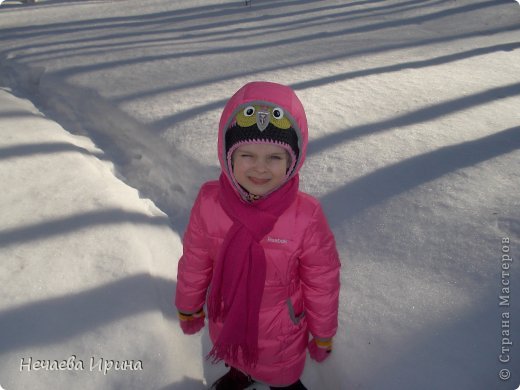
x=262 y=116
x=264 y=124
x=263 y=113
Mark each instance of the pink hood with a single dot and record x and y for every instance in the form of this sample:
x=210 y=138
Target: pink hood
x=271 y=94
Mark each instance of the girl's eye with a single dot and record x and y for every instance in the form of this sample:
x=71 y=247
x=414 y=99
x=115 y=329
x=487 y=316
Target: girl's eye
x=276 y=157
x=277 y=113
x=249 y=111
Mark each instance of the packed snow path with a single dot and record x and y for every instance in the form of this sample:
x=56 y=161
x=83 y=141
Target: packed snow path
x=86 y=269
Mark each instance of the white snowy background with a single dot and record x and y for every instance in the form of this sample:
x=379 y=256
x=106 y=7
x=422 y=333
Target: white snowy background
x=108 y=119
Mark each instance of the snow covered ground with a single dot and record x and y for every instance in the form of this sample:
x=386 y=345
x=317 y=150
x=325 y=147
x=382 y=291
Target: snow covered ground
x=415 y=148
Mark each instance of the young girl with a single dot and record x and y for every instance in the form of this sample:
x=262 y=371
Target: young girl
x=258 y=251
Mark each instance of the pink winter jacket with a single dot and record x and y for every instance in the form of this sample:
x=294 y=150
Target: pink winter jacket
x=302 y=282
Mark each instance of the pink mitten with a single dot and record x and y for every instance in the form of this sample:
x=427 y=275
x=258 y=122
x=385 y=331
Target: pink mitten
x=192 y=323
x=320 y=349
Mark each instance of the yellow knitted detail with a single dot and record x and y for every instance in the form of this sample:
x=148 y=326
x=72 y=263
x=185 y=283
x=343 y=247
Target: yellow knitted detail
x=191 y=317
x=324 y=343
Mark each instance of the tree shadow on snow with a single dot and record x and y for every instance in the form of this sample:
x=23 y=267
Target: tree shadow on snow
x=441 y=60
x=28 y=150
x=415 y=117
x=460 y=351
x=384 y=183
x=278 y=42
x=171 y=18
x=56 y=319
x=74 y=223
x=418 y=116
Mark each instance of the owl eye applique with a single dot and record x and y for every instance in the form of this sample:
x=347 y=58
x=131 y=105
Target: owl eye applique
x=279 y=119
x=277 y=113
x=247 y=116
x=249 y=111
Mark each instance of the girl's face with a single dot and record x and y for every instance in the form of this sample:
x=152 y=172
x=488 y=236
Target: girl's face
x=260 y=168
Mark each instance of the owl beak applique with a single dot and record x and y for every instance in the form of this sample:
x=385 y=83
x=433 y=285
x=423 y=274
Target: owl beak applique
x=262 y=119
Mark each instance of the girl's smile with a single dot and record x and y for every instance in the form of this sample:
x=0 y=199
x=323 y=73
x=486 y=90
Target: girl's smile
x=260 y=168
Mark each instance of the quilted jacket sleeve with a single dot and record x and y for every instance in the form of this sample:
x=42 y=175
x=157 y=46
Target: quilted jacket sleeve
x=319 y=274
x=195 y=266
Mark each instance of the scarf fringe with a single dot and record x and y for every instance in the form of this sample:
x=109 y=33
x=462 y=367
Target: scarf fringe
x=229 y=353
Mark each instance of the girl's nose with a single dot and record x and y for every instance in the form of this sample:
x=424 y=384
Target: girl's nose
x=261 y=165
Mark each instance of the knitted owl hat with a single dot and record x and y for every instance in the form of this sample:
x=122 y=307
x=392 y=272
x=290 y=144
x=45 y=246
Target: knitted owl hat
x=263 y=112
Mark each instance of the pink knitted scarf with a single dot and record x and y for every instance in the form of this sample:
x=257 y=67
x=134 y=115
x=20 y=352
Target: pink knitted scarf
x=240 y=269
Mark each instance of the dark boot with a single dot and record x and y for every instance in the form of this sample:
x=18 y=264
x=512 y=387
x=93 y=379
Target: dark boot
x=295 y=386
x=233 y=380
